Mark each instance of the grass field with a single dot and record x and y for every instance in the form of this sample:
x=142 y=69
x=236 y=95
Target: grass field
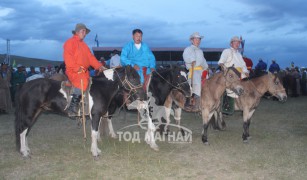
x=277 y=150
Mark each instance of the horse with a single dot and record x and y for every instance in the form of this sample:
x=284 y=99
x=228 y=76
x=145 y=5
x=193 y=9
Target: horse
x=46 y=94
x=162 y=82
x=254 y=89
x=212 y=91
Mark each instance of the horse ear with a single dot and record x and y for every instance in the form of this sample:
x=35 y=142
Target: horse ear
x=223 y=67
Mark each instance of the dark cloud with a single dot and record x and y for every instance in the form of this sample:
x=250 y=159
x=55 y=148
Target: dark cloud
x=272 y=29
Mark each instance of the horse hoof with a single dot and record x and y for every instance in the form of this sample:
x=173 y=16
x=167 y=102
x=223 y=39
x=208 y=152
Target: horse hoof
x=155 y=147
x=206 y=143
x=249 y=137
x=96 y=158
x=245 y=141
x=113 y=136
x=26 y=156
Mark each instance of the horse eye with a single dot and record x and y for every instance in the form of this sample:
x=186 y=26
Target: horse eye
x=276 y=83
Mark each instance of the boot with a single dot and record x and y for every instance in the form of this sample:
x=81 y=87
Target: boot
x=73 y=108
x=192 y=104
x=228 y=105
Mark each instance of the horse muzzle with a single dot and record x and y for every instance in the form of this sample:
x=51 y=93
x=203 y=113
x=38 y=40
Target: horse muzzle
x=282 y=98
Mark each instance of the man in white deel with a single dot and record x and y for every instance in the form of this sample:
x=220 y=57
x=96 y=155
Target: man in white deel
x=115 y=59
x=196 y=63
x=232 y=57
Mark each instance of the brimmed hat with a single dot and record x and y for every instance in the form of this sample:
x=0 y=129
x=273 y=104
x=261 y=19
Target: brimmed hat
x=80 y=26
x=19 y=65
x=235 y=38
x=196 y=35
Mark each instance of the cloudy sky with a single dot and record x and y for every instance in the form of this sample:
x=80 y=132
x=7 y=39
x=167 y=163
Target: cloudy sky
x=272 y=29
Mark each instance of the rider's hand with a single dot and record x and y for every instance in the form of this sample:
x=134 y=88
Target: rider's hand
x=247 y=75
x=102 y=68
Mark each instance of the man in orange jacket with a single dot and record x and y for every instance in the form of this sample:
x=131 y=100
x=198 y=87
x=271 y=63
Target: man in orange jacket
x=78 y=58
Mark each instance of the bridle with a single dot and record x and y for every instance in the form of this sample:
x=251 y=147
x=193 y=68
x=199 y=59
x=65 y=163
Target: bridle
x=235 y=71
x=128 y=85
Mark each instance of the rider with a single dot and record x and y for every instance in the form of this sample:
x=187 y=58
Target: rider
x=274 y=67
x=232 y=57
x=261 y=66
x=137 y=54
x=78 y=58
x=196 y=63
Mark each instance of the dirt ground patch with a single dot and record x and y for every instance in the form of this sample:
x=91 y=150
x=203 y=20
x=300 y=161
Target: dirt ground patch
x=277 y=150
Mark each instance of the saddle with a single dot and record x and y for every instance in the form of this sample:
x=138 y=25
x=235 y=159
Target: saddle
x=68 y=88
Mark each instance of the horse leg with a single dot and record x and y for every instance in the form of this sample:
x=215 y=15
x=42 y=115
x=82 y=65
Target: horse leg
x=246 y=122
x=94 y=134
x=111 y=130
x=215 y=121
x=167 y=118
x=23 y=124
x=177 y=117
x=206 y=116
x=99 y=130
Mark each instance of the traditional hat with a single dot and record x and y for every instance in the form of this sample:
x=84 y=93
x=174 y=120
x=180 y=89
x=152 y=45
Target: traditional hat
x=235 y=38
x=196 y=35
x=19 y=65
x=80 y=26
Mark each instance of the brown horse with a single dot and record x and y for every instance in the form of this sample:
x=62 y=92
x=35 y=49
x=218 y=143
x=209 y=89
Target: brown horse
x=212 y=92
x=254 y=89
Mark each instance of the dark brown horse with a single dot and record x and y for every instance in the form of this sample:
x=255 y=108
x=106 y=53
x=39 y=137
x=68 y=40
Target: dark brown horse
x=254 y=89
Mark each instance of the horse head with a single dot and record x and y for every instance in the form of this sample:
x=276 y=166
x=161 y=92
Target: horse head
x=130 y=82
x=180 y=80
x=233 y=78
x=276 y=88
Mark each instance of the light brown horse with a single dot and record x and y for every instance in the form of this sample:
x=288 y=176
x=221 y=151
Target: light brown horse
x=254 y=89
x=211 y=94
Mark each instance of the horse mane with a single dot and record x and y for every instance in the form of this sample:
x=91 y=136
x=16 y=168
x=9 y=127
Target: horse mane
x=255 y=76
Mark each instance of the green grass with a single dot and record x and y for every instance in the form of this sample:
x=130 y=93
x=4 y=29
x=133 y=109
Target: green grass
x=277 y=150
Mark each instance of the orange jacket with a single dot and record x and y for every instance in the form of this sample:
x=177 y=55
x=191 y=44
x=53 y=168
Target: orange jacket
x=78 y=55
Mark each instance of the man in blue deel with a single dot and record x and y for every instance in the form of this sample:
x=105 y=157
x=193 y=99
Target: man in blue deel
x=139 y=56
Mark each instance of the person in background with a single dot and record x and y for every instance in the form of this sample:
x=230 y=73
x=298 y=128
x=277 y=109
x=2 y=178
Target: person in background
x=18 y=79
x=31 y=72
x=115 y=59
x=196 y=63
x=50 y=70
x=78 y=58
x=5 y=94
x=274 y=67
x=261 y=66
x=42 y=71
x=137 y=54
x=248 y=63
